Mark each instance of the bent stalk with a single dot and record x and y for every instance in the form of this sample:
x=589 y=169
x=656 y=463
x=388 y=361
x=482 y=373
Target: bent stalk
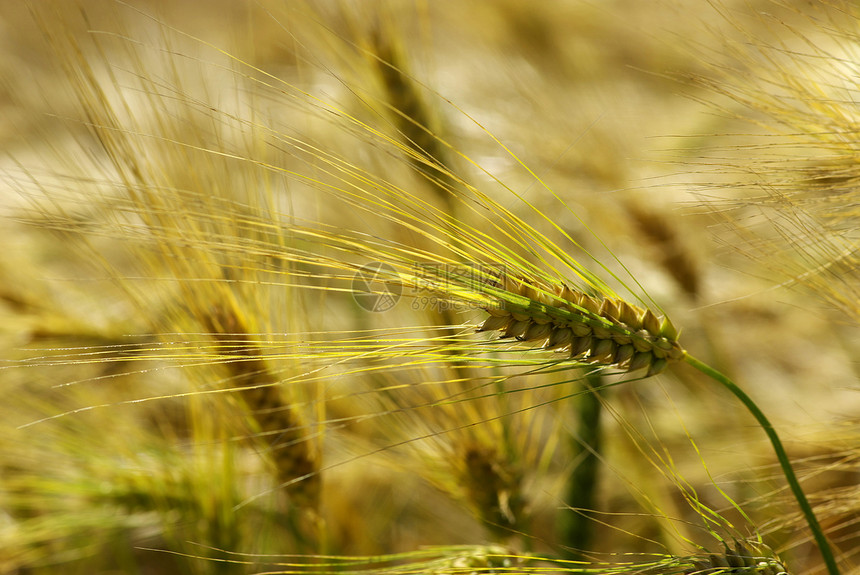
x=781 y=455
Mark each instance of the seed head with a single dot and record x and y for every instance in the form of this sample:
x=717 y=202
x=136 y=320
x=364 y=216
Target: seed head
x=737 y=561
x=599 y=330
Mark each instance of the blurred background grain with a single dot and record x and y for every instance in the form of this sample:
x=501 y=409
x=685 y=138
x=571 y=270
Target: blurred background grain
x=711 y=148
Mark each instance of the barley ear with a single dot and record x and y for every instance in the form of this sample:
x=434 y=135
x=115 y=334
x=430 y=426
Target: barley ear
x=740 y=561
x=412 y=116
x=278 y=425
x=672 y=253
x=603 y=331
x=493 y=486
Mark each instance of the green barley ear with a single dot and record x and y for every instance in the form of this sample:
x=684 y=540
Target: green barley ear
x=599 y=330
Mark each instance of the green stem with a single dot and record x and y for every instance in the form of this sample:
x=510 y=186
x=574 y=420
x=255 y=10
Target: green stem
x=781 y=455
x=577 y=526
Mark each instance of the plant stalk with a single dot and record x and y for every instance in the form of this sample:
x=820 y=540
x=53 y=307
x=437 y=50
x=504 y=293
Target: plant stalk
x=577 y=526
x=781 y=455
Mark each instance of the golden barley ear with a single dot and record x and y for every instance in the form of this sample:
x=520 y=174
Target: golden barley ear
x=674 y=255
x=738 y=561
x=494 y=487
x=411 y=114
x=599 y=330
x=278 y=426
x=490 y=559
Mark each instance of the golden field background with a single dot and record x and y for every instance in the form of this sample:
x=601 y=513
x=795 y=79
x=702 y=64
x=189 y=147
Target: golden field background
x=159 y=155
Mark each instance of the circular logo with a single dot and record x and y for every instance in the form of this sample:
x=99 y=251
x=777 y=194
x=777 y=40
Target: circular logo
x=372 y=291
